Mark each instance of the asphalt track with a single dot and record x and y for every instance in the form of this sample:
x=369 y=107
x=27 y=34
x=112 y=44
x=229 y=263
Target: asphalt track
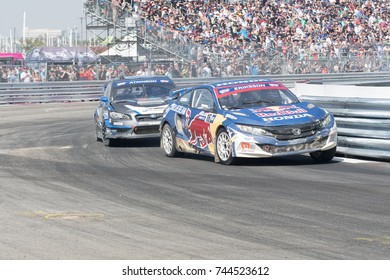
x=66 y=196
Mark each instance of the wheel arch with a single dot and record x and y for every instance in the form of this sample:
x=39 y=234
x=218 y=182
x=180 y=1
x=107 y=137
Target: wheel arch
x=163 y=123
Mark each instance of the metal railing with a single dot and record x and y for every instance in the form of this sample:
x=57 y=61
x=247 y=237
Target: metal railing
x=363 y=124
x=45 y=92
x=41 y=92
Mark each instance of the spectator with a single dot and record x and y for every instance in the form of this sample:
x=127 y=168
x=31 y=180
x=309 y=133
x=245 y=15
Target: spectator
x=25 y=76
x=89 y=74
x=4 y=76
x=13 y=76
x=102 y=72
x=141 y=71
x=63 y=74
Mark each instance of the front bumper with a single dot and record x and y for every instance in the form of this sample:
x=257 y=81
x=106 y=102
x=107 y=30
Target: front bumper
x=263 y=147
x=131 y=129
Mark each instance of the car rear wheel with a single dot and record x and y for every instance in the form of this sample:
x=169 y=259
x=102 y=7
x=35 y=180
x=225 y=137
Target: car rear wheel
x=224 y=147
x=168 y=141
x=323 y=156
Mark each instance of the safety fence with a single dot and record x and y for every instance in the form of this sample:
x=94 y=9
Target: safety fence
x=363 y=124
x=42 y=92
x=45 y=92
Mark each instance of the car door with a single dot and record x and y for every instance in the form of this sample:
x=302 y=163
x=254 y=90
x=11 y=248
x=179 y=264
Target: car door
x=199 y=117
x=181 y=111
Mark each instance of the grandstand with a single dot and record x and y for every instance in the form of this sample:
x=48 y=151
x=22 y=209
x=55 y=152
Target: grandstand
x=250 y=37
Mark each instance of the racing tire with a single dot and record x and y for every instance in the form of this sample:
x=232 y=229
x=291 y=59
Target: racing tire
x=224 y=148
x=168 y=141
x=323 y=156
x=97 y=135
x=106 y=141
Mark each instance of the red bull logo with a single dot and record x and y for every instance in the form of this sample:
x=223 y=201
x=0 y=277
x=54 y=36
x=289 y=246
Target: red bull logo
x=199 y=128
x=276 y=111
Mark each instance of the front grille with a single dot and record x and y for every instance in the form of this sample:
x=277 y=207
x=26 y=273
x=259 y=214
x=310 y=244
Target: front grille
x=147 y=129
x=293 y=148
x=149 y=117
x=287 y=132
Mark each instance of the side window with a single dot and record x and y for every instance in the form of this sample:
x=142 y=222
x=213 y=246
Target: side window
x=185 y=99
x=203 y=100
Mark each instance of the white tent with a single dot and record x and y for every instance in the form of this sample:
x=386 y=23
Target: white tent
x=126 y=49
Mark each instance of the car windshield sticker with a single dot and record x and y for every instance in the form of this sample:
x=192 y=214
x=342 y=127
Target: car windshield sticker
x=153 y=81
x=234 y=89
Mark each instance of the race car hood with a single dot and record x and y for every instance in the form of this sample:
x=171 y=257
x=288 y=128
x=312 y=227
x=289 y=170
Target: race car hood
x=298 y=113
x=140 y=105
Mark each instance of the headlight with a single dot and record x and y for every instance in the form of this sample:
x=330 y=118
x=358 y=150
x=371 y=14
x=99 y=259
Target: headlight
x=325 y=121
x=119 y=116
x=254 y=130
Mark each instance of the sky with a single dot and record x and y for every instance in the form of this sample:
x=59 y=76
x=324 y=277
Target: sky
x=40 y=14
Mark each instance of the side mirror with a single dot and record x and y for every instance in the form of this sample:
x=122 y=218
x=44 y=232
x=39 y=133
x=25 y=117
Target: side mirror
x=175 y=96
x=104 y=99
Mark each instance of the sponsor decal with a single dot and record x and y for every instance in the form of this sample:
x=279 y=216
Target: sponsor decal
x=141 y=82
x=145 y=110
x=178 y=109
x=242 y=87
x=291 y=117
x=242 y=82
x=240 y=114
x=152 y=81
x=257 y=86
x=199 y=128
x=246 y=147
x=278 y=113
x=229 y=116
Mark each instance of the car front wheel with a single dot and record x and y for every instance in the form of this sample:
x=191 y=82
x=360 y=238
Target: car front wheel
x=106 y=141
x=323 y=156
x=224 y=147
x=168 y=141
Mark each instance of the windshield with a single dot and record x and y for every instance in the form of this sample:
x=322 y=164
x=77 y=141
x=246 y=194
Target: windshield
x=136 y=92
x=258 y=98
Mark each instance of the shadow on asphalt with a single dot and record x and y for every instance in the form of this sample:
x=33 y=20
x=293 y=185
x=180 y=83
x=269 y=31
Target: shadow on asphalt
x=297 y=160
x=136 y=143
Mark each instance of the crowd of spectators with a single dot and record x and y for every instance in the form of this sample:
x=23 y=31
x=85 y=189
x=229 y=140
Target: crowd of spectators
x=247 y=37
x=54 y=73
x=354 y=32
x=266 y=36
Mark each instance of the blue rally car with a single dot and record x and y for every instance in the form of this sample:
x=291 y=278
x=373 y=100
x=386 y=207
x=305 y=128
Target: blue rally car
x=246 y=118
x=132 y=108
